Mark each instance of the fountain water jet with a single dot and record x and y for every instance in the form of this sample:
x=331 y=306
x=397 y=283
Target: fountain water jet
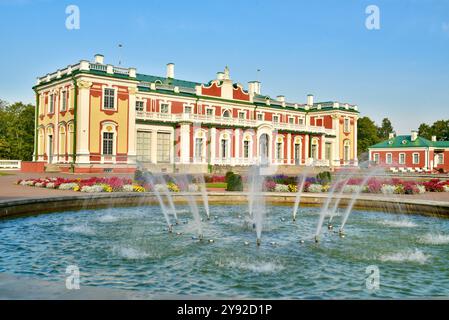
x=300 y=187
x=256 y=200
x=204 y=195
x=150 y=179
x=161 y=180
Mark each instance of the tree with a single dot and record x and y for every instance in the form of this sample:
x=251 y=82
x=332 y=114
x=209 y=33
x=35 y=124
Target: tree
x=439 y=128
x=385 y=129
x=16 y=131
x=367 y=135
x=425 y=131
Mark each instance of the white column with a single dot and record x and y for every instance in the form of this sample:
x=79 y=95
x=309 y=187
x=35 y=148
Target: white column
x=306 y=148
x=336 y=146
x=213 y=143
x=236 y=146
x=82 y=132
x=153 y=152
x=185 y=142
x=323 y=147
x=289 y=148
x=132 y=141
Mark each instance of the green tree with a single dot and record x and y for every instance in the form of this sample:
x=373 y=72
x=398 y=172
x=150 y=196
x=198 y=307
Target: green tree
x=385 y=129
x=439 y=128
x=425 y=131
x=16 y=131
x=367 y=135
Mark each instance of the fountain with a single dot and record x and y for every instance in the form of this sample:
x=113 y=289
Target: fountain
x=300 y=186
x=163 y=183
x=256 y=201
x=204 y=195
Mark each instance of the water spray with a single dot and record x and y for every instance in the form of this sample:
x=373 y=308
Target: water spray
x=258 y=242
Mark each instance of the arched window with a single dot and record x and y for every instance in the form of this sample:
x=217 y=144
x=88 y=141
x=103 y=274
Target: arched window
x=224 y=146
x=279 y=149
x=200 y=146
x=346 y=150
x=314 y=149
x=71 y=130
x=41 y=142
x=62 y=141
x=298 y=150
x=226 y=114
x=247 y=143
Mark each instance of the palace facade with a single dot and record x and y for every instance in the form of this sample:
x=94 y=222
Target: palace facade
x=96 y=117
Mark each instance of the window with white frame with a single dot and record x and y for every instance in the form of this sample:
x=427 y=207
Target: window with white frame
x=346 y=125
x=246 y=149
x=143 y=150
x=301 y=121
x=402 y=158
x=242 y=114
x=188 y=109
x=164 y=107
x=279 y=151
x=51 y=104
x=389 y=158
x=224 y=148
x=109 y=98
x=199 y=148
x=376 y=158
x=291 y=120
x=439 y=159
x=64 y=100
x=260 y=116
x=226 y=114
x=139 y=105
x=276 y=119
x=108 y=143
x=347 y=150
x=209 y=112
x=163 y=147
x=416 y=158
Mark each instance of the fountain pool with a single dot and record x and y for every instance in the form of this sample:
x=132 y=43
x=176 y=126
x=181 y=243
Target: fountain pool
x=130 y=248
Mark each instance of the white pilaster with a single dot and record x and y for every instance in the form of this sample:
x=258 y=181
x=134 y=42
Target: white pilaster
x=213 y=143
x=82 y=132
x=289 y=148
x=323 y=147
x=153 y=152
x=237 y=144
x=306 y=148
x=185 y=142
x=132 y=140
x=356 y=161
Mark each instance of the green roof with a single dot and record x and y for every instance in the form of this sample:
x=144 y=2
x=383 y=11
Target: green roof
x=406 y=142
x=167 y=81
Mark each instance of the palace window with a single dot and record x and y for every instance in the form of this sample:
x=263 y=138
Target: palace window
x=226 y=114
x=246 y=149
x=376 y=158
x=143 y=150
x=314 y=149
x=389 y=158
x=346 y=125
x=439 y=159
x=187 y=109
x=64 y=100
x=139 y=105
x=242 y=115
x=291 y=120
x=109 y=98
x=51 y=105
x=402 y=158
x=260 y=116
x=198 y=148
x=108 y=143
x=347 y=150
x=163 y=147
x=275 y=119
x=224 y=148
x=164 y=107
x=62 y=140
x=301 y=121
x=209 y=112
x=416 y=158
x=279 y=151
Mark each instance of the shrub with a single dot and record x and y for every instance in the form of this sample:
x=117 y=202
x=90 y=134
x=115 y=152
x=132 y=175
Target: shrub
x=324 y=177
x=228 y=176
x=234 y=183
x=434 y=185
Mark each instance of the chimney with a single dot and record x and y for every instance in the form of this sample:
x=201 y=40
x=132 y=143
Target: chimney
x=310 y=99
x=391 y=135
x=414 y=135
x=220 y=75
x=99 y=58
x=170 y=70
x=280 y=98
x=434 y=138
x=254 y=87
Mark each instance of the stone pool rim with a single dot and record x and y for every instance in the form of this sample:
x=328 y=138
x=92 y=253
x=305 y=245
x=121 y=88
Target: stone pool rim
x=41 y=205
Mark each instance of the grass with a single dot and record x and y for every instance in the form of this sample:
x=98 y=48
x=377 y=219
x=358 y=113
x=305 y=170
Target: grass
x=5 y=173
x=216 y=185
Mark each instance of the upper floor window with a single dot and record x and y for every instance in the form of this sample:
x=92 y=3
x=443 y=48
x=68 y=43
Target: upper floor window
x=346 y=125
x=139 y=105
x=209 y=112
x=242 y=115
x=291 y=120
x=164 y=107
x=109 y=98
x=301 y=121
x=260 y=116
x=51 y=104
x=64 y=100
x=275 y=119
x=226 y=114
x=187 y=109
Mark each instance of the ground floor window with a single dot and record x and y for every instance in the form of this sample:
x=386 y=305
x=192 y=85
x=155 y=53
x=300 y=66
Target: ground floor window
x=376 y=158
x=143 y=150
x=439 y=159
x=246 y=149
x=279 y=150
x=198 y=148
x=402 y=158
x=347 y=151
x=224 y=148
x=389 y=158
x=163 y=147
x=108 y=143
x=415 y=158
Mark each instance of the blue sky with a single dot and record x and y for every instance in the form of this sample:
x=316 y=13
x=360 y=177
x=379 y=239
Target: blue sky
x=322 y=47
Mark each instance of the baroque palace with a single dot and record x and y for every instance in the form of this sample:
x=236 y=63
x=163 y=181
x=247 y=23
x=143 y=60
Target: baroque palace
x=96 y=117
